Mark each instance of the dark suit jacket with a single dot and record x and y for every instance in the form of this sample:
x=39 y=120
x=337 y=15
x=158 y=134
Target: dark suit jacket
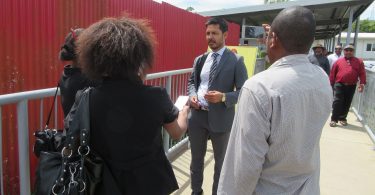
x=321 y=61
x=230 y=76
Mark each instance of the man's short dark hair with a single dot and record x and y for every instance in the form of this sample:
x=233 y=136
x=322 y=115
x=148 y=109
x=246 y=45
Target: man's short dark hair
x=220 y=21
x=295 y=27
x=118 y=48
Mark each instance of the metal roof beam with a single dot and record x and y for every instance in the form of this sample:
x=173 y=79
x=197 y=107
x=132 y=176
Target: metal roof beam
x=331 y=22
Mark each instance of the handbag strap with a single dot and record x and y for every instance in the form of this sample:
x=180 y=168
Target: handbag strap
x=79 y=128
x=79 y=124
x=53 y=103
x=84 y=149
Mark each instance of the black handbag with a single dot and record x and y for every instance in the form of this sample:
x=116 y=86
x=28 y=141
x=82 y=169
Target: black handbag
x=48 y=139
x=76 y=169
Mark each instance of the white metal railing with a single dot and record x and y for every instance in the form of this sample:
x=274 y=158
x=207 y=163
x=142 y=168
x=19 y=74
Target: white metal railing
x=363 y=105
x=174 y=81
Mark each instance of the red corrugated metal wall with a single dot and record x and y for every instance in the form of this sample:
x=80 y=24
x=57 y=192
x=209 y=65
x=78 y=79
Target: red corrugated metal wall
x=32 y=31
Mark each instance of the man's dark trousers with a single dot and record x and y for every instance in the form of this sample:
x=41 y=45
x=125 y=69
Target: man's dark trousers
x=198 y=135
x=343 y=96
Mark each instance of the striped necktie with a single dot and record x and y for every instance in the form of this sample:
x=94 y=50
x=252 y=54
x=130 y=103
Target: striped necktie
x=213 y=68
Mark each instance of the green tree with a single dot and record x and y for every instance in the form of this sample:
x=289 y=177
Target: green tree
x=365 y=26
x=190 y=9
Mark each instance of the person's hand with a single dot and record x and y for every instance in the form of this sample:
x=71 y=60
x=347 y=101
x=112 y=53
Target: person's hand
x=360 y=88
x=194 y=102
x=266 y=28
x=213 y=96
x=185 y=109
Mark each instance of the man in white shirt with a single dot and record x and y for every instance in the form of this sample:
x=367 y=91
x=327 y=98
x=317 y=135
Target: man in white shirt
x=335 y=56
x=274 y=142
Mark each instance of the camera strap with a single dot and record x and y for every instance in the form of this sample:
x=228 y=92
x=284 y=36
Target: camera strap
x=53 y=103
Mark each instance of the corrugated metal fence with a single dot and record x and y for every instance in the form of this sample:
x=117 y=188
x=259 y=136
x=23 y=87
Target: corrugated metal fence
x=31 y=34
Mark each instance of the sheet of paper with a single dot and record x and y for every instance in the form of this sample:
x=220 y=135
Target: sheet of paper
x=181 y=101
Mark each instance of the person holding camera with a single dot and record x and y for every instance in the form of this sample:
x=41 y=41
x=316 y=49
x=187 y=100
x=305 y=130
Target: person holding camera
x=72 y=80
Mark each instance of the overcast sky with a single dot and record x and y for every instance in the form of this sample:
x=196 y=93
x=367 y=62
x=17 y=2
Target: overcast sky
x=207 y=5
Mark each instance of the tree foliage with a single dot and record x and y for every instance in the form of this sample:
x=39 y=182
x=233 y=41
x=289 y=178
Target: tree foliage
x=365 y=26
x=190 y=9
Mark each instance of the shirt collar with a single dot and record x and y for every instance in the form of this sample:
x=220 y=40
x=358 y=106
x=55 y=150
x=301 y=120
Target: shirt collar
x=220 y=52
x=295 y=59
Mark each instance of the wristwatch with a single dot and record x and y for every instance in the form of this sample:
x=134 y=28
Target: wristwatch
x=223 y=98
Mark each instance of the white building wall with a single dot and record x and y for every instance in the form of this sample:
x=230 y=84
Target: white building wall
x=362 y=41
x=368 y=55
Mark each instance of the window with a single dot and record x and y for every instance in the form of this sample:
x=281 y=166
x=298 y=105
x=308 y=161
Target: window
x=254 y=32
x=370 y=47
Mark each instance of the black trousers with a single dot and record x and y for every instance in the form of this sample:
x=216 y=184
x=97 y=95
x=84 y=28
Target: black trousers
x=343 y=96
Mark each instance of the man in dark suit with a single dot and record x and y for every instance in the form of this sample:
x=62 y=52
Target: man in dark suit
x=213 y=89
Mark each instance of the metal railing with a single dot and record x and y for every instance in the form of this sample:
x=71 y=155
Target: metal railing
x=363 y=104
x=174 y=81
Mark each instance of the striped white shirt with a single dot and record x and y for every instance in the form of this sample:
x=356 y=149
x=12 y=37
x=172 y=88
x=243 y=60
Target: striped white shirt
x=274 y=143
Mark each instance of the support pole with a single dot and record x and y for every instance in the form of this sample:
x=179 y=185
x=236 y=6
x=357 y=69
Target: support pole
x=339 y=38
x=349 y=26
x=356 y=36
x=242 y=39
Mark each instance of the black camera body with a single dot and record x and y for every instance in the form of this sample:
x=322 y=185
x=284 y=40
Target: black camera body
x=48 y=140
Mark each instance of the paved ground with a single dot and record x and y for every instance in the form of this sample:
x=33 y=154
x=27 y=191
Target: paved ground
x=347 y=163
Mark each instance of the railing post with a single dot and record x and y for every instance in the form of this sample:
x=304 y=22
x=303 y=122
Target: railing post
x=23 y=147
x=41 y=115
x=165 y=134
x=1 y=155
x=359 y=102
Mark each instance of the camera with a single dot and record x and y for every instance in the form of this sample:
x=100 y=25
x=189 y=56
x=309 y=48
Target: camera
x=48 y=140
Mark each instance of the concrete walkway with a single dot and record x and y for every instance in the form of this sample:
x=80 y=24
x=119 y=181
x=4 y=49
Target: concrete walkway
x=347 y=162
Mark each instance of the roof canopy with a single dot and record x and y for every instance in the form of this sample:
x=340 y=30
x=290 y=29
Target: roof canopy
x=329 y=14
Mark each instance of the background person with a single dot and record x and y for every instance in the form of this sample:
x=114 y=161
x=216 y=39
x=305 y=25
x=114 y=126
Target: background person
x=126 y=115
x=335 y=56
x=344 y=77
x=72 y=79
x=213 y=89
x=318 y=58
x=274 y=143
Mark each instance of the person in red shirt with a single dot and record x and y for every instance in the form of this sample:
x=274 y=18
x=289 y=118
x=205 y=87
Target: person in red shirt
x=344 y=77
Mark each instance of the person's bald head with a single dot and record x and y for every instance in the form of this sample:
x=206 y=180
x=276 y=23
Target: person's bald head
x=295 y=28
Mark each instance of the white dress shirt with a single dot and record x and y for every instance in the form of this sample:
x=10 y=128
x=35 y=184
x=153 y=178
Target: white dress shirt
x=333 y=58
x=274 y=143
x=205 y=74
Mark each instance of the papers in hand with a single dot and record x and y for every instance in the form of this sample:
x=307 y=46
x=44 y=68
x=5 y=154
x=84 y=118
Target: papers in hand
x=181 y=102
